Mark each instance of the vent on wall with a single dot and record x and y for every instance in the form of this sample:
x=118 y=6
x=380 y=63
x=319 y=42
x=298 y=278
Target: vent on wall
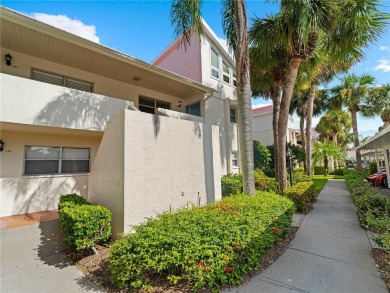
x=61 y=80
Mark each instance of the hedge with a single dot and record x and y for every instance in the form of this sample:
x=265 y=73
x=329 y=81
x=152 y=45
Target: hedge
x=373 y=209
x=83 y=223
x=319 y=170
x=302 y=194
x=202 y=246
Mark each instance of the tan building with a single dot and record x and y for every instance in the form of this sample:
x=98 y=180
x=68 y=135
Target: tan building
x=78 y=117
x=262 y=126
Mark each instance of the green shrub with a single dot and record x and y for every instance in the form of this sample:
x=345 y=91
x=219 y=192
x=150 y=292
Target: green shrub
x=373 y=167
x=338 y=172
x=83 y=223
x=231 y=184
x=269 y=172
x=299 y=176
x=267 y=184
x=302 y=194
x=203 y=246
x=319 y=170
x=373 y=209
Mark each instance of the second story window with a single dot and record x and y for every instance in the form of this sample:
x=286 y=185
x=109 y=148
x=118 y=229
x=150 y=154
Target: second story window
x=214 y=64
x=149 y=105
x=61 y=80
x=233 y=115
x=226 y=72
x=193 y=109
x=234 y=159
x=234 y=79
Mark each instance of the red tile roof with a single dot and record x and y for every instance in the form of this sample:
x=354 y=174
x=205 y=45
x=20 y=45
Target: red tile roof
x=262 y=109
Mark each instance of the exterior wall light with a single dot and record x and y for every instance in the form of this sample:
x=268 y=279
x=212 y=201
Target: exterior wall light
x=1 y=145
x=8 y=59
x=179 y=105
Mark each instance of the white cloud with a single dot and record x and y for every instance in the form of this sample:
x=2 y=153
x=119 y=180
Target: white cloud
x=73 y=26
x=383 y=66
x=383 y=48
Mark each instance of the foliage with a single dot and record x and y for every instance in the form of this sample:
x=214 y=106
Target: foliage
x=298 y=153
x=267 y=184
x=83 y=223
x=319 y=170
x=299 y=176
x=231 y=184
x=325 y=151
x=203 y=246
x=303 y=194
x=373 y=167
x=373 y=209
x=338 y=171
x=261 y=155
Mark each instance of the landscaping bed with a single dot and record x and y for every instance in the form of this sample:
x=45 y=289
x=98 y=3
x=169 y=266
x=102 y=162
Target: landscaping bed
x=96 y=267
x=382 y=259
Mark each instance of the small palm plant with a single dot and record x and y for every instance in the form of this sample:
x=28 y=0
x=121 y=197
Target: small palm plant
x=326 y=151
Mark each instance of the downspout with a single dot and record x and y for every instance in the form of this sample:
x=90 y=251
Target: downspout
x=378 y=166
x=228 y=139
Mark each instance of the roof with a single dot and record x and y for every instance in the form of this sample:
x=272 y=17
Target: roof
x=262 y=110
x=26 y=35
x=381 y=140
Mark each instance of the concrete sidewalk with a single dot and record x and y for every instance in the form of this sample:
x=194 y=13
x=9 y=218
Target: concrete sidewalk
x=330 y=252
x=32 y=260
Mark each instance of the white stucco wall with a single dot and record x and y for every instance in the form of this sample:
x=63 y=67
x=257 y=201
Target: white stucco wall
x=27 y=101
x=166 y=162
x=26 y=194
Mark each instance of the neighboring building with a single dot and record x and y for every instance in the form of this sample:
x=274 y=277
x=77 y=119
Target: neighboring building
x=351 y=154
x=314 y=137
x=262 y=126
x=78 y=117
x=209 y=63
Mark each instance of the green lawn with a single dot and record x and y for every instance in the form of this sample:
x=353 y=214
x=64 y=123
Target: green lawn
x=320 y=180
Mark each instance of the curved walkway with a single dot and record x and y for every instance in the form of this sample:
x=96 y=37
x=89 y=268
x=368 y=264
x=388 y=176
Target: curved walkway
x=330 y=252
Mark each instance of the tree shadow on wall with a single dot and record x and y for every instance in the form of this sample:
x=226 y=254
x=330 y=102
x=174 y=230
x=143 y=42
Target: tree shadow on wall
x=82 y=110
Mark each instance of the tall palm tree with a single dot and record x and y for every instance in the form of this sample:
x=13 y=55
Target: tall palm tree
x=186 y=19
x=353 y=93
x=347 y=26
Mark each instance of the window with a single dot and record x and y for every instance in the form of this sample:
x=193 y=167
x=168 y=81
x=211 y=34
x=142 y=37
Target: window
x=61 y=80
x=193 y=109
x=234 y=159
x=39 y=160
x=233 y=115
x=234 y=79
x=214 y=64
x=148 y=105
x=226 y=73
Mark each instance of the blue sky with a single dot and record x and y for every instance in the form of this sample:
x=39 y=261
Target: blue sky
x=142 y=29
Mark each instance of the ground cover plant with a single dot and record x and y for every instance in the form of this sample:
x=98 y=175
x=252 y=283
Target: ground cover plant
x=302 y=194
x=84 y=224
x=319 y=182
x=373 y=209
x=203 y=246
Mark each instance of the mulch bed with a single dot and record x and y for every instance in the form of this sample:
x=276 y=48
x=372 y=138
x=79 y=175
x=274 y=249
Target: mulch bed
x=97 y=270
x=382 y=259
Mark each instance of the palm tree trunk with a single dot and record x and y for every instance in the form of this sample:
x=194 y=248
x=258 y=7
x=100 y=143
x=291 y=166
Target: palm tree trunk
x=275 y=118
x=244 y=98
x=309 y=117
x=356 y=140
x=291 y=77
x=303 y=142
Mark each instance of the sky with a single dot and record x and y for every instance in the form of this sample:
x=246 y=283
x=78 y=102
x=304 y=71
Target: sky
x=142 y=29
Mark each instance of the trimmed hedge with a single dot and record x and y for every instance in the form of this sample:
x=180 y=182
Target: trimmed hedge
x=302 y=194
x=319 y=170
x=373 y=209
x=267 y=184
x=83 y=223
x=203 y=246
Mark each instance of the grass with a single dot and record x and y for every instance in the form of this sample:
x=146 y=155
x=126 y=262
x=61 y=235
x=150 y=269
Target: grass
x=320 y=180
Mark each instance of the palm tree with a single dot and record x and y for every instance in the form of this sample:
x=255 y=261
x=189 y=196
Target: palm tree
x=186 y=19
x=353 y=93
x=347 y=27
x=326 y=151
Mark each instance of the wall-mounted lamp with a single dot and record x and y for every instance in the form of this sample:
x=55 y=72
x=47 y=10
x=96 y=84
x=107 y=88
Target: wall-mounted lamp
x=8 y=59
x=179 y=105
x=1 y=145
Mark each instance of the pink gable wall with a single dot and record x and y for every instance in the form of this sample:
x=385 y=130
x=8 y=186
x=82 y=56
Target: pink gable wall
x=183 y=62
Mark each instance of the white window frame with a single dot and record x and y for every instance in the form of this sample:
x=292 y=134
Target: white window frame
x=234 y=158
x=234 y=79
x=225 y=64
x=192 y=104
x=218 y=70
x=155 y=103
x=60 y=159
x=235 y=115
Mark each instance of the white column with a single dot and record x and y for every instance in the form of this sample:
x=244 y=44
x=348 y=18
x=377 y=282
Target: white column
x=386 y=154
x=378 y=166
